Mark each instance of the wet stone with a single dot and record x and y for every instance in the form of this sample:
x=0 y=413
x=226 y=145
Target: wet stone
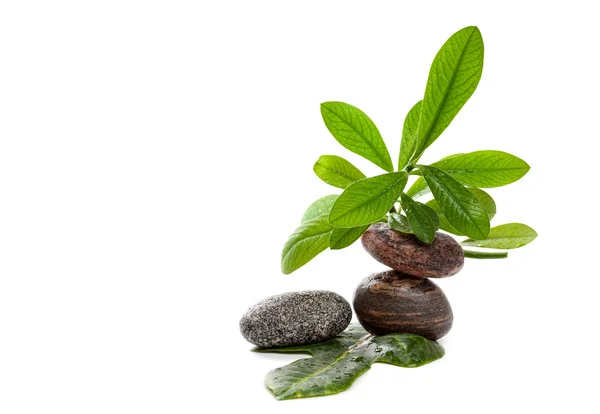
x=389 y=302
x=405 y=253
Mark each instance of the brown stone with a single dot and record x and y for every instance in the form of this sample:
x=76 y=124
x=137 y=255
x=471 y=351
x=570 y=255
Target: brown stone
x=407 y=254
x=389 y=302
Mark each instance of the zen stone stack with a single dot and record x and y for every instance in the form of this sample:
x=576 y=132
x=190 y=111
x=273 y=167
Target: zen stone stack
x=404 y=299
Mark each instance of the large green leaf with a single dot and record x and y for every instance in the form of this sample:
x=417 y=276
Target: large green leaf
x=336 y=171
x=423 y=220
x=505 y=236
x=343 y=237
x=310 y=239
x=367 y=200
x=409 y=135
x=444 y=223
x=453 y=77
x=484 y=169
x=354 y=130
x=335 y=364
x=462 y=209
x=319 y=207
x=486 y=200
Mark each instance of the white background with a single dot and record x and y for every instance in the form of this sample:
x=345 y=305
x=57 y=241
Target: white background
x=155 y=156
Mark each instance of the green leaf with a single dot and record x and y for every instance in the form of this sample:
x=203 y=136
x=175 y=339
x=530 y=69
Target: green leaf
x=341 y=238
x=505 y=236
x=335 y=364
x=409 y=136
x=399 y=222
x=336 y=171
x=310 y=239
x=462 y=209
x=367 y=200
x=453 y=77
x=423 y=220
x=486 y=200
x=352 y=128
x=321 y=207
x=484 y=169
x=418 y=188
x=444 y=223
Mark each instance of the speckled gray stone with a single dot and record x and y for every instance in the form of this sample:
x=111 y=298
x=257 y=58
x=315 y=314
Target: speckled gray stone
x=296 y=318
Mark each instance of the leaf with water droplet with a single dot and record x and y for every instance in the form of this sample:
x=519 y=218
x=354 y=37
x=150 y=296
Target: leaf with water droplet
x=351 y=354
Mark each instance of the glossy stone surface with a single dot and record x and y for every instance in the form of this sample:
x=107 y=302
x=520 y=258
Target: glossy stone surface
x=296 y=318
x=405 y=253
x=390 y=302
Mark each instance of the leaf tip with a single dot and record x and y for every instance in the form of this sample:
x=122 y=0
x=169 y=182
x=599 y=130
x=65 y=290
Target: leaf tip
x=285 y=269
x=316 y=164
x=471 y=29
x=326 y=105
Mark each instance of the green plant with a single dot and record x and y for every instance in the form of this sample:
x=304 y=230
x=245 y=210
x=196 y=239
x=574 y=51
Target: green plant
x=335 y=364
x=459 y=206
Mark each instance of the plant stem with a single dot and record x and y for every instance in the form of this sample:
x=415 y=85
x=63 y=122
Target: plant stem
x=485 y=255
x=356 y=345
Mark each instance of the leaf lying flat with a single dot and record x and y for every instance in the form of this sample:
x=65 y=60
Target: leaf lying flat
x=307 y=241
x=453 y=77
x=505 y=236
x=336 y=171
x=366 y=201
x=337 y=363
x=484 y=169
x=352 y=128
x=319 y=207
x=462 y=209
